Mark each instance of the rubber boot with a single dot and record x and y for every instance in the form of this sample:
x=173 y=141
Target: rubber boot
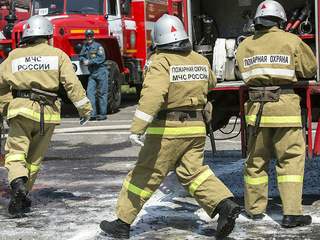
x=18 y=196
x=228 y=212
x=118 y=228
x=26 y=203
x=290 y=221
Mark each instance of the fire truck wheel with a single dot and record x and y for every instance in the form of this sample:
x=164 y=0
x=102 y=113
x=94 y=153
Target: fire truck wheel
x=114 y=89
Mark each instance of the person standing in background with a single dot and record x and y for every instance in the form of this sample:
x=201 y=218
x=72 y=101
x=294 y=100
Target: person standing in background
x=93 y=56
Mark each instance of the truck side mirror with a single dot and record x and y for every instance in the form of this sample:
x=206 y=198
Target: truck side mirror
x=0 y=16
x=125 y=7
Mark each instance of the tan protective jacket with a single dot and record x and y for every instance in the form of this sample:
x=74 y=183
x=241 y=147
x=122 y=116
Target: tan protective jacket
x=275 y=57
x=149 y=60
x=175 y=80
x=42 y=67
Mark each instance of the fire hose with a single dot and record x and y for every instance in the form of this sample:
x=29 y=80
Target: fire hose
x=208 y=22
x=303 y=20
x=305 y=28
x=292 y=19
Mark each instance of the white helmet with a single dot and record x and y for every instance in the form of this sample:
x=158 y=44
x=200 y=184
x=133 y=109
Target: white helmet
x=169 y=29
x=37 y=26
x=268 y=13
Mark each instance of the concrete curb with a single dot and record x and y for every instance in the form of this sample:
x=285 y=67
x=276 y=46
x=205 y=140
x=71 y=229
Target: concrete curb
x=92 y=128
x=86 y=129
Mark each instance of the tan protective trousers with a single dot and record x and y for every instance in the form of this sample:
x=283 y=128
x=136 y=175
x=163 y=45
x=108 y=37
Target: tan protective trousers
x=289 y=148
x=156 y=159
x=25 y=148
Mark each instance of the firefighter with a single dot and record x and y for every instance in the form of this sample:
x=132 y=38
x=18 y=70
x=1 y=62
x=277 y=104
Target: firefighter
x=93 y=56
x=33 y=73
x=169 y=111
x=270 y=62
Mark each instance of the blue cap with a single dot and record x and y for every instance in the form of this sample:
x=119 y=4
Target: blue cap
x=88 y=32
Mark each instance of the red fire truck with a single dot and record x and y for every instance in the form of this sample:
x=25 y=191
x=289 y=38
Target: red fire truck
x=122 y=27
x=215 y=29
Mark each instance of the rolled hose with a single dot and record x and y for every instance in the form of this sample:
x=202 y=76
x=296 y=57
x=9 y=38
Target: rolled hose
x=240 y=39
x=305 y=28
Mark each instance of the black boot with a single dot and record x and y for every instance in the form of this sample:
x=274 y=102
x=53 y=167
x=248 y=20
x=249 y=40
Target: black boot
x=290 y=221
x=26 y=203
x=228 y=212
x=18 y=196
x=118 y=228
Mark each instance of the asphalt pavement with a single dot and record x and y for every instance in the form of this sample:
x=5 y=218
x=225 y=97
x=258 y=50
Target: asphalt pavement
x=83 y=172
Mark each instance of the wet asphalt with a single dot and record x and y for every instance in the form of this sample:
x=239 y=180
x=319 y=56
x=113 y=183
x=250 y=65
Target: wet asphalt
x=83 y=172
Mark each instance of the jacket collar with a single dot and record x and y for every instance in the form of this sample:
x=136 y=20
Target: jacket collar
x=272 y=29
x=41 y=40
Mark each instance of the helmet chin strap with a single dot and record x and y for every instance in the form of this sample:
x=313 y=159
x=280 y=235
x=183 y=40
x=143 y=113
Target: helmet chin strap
x=30 y=40
x=183 y=45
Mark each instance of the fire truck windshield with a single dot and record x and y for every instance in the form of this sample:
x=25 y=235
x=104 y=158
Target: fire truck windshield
x=55 y=7
x=85 y=7
x=47 y=8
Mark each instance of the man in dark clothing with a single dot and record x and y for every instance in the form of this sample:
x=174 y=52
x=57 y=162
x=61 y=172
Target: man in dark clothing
x=93 y=56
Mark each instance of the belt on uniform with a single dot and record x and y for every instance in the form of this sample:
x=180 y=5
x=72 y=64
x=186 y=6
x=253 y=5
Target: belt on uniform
x=267 y=94
x=25 y=93
x=286 y=89
x=182 y=116
x=271 y=90
x=21 y=93
x=40 y=96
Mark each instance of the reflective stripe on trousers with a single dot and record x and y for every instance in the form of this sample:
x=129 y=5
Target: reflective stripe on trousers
x=281 y=179
x=192 y=188
x=34 y=114
x=21 y=157
x=199 y=180
x=136 y=190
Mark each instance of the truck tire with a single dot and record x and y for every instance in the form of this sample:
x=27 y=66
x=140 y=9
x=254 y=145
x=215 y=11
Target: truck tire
x=114 y=89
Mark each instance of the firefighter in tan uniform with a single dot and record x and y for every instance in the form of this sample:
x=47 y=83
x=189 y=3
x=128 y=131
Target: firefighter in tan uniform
x=33 y=73
x=270 y=62
x=169 y=111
